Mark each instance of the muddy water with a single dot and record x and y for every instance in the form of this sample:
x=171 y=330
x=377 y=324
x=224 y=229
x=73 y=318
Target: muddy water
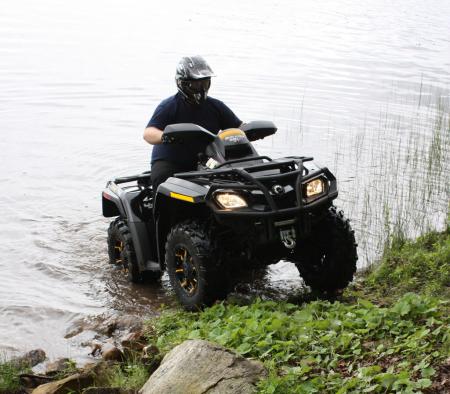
x=361 y=85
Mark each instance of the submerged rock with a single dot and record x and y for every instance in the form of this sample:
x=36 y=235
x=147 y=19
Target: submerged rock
x=198 y=366
x=133 y=341
x=105 y=326
x=119 y=323
x=29 y=359
x=57 y=366
x=112 y=353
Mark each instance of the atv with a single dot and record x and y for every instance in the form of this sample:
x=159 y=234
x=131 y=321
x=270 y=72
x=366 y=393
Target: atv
x=237 y=210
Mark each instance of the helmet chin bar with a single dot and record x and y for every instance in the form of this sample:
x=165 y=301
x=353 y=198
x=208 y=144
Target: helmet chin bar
x=192 y=96
x=200 y=97
x=195 y=91
x=196 y=98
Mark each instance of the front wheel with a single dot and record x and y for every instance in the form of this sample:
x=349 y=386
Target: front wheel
x=193 y=266
x=327 y=260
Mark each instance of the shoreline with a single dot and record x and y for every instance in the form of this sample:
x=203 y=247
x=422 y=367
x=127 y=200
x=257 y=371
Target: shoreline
x=381 y=303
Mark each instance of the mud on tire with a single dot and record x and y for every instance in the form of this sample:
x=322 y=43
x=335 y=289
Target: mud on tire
x=327 y=260
x=193 y=265
x=121 y=250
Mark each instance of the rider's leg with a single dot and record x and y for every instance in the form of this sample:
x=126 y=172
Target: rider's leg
x=162 y=169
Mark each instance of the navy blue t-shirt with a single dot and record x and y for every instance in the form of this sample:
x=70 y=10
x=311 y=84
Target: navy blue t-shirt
x=212 y=114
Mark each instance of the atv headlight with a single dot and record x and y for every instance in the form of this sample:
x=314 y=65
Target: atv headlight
x=315 y=187
x=229 y=200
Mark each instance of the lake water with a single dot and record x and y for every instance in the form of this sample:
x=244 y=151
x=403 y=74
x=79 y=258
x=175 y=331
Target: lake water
x=363 y=86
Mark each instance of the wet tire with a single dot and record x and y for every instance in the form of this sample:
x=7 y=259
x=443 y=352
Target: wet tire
x=121 y=251
x=193 y=265
x=327 y=260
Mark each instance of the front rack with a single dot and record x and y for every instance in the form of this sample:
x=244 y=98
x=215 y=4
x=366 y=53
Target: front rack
x=244 y=178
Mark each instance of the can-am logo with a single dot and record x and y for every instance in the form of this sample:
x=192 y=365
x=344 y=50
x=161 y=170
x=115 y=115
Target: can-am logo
x=235 y=139
x=278 y=189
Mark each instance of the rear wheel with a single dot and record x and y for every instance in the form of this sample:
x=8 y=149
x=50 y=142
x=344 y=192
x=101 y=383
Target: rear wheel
x=327 y=260
x=193 y=265
x=121 y=251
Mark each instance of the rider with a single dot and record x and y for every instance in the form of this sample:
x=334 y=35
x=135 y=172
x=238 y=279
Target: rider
x=190 y=105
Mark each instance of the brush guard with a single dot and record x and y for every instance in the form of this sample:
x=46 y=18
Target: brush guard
x=280 y=220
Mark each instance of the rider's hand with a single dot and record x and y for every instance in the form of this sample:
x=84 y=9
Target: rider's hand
x=166 y=139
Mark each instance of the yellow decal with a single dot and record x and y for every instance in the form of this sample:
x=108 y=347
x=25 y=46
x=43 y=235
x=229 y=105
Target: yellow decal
x=230 y=132
x=181 y=197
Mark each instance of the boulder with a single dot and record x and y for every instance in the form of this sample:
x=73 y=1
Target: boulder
x=198 y=366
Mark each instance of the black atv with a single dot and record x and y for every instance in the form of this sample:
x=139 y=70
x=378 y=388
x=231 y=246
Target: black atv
x=238 y=210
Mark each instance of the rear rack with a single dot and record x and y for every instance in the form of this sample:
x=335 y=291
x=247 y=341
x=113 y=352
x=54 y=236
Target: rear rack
x=145 y=176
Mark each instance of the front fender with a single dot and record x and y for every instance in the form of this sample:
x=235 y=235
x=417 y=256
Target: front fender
x=176 y=200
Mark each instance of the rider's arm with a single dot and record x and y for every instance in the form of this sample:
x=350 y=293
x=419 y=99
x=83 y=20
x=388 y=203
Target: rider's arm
x=153 y=135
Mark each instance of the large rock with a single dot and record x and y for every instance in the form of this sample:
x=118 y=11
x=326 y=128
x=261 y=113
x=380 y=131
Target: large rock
x=197 y=367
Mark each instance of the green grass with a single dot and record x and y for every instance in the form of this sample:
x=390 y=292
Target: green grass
x=421 y=266
x=9 y=377
x=324 y=347
x=129 y=375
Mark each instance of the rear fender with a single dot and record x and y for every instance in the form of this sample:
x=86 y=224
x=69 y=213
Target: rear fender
x=111 y=204
x=125 y=204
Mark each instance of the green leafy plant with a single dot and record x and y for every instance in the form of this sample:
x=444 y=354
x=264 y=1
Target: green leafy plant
x=324 y=347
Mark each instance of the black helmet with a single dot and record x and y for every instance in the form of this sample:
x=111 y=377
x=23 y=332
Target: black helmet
x=193 y=78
